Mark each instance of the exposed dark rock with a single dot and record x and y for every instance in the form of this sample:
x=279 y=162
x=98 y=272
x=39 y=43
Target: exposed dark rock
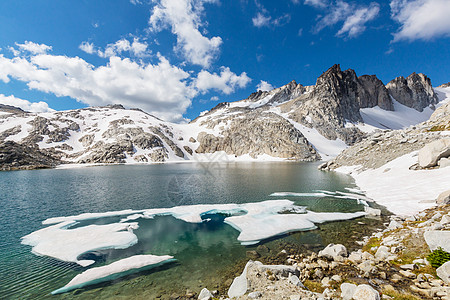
x=11 y=109
x=188 y=150
x=12 y=131
x=373 y=92
x=14 y=156
x=108 y=153
x=415 y=91
x=168 y=141
x=332 y=103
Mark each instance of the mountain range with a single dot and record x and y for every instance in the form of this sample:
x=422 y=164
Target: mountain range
x=292 y=122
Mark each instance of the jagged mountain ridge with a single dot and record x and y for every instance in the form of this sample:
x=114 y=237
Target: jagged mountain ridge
x=290 y=122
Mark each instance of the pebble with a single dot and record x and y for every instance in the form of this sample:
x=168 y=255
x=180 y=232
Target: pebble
x=254 y=295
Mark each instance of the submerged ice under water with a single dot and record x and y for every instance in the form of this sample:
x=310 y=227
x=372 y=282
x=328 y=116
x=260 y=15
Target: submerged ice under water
x=209 y=200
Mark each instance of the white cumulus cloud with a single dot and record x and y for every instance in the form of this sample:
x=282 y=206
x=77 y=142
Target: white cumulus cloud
x=25 y=104
x=226 y=81
x=421 y=19
x=183 y=17
x=135 y=48
x=87 y=47
x=160 y=88
x=264 y=86
x=34 y=48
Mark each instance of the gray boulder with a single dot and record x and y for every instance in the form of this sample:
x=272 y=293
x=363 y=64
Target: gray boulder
x=334 y=252
x=239 y=286
x=347 y=290
x=430 y=154
x=444 y=162
x=366 y=292
x=443 y=198
x=205 y=294
x=444 y=272
x=382 y=253
x=436 y=239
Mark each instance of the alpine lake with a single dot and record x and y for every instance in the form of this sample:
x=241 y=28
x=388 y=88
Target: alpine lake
x=207 y=254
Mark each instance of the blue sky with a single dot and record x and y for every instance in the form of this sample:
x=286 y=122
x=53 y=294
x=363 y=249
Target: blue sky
x=176 y=58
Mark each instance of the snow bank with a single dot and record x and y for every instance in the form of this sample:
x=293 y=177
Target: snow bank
x=114 y=270
x=401 y=117
x=399 y=189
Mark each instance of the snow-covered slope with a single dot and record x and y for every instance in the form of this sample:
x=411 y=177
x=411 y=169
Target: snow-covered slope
x=101 y=135
x=290 y=122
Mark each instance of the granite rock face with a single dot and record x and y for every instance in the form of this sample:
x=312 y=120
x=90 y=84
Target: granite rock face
x=332 y=103
x=257 y=134
x=372 y=92
x=415 y=91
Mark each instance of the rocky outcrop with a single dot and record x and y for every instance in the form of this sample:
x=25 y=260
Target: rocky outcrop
x=332 y=103
x=14 y=156
x=372 y=92
x=382 y=147
x=279 y=95
x=258 y=134
x=430 y=155
x=444 y=272
x=443 y=198
x=415 y=91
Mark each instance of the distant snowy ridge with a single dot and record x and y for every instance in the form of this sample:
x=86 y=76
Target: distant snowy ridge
x=291 y=122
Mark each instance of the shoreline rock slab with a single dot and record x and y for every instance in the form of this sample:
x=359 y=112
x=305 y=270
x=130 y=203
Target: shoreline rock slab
x=438 y=238
x=444 y=272
x=433 y=152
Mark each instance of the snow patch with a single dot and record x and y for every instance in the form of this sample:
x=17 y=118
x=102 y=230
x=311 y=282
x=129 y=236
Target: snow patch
x=399 y=189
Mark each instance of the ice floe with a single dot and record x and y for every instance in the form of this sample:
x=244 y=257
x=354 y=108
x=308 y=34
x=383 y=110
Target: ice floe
x=114 y=270
x=255 y=221
x=61 y=242
x=293 y=194
x=320 y=193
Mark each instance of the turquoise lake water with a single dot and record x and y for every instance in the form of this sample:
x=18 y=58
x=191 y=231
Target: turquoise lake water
x=203 y=251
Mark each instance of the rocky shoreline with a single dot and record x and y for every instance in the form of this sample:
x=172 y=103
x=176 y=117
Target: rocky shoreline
x=391 y=263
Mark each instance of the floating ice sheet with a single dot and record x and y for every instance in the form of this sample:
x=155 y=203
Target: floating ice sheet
x=61 y=242
x=255 y=221
x=321 y=193
x=114 y=270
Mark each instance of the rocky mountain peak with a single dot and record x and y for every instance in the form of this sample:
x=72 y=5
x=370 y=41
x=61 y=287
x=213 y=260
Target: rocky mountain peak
x=415 y=91
x=339 y=91
x=11 y=109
